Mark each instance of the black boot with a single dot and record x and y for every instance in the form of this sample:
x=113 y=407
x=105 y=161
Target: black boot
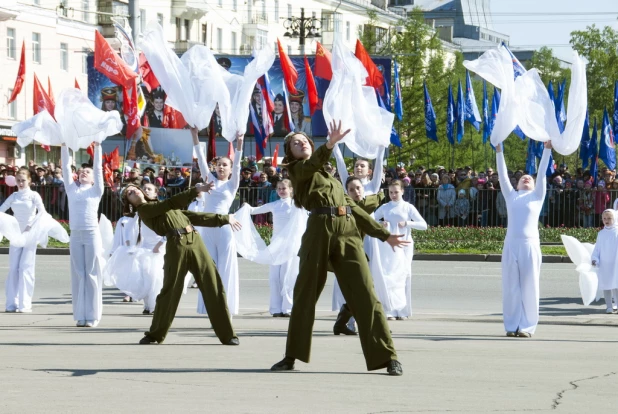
x=286 y=364
x=341 y=324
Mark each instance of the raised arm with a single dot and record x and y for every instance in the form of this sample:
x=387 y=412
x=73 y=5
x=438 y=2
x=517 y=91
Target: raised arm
x=201 y=156
x=540 y=188
x=503 y=175
x=65 y=159
x=376 y=181
x=207 y=219
x=416 y=221
x=304 y=169
x=97 y=169
x=237 y=164
x=264 y=208
x=341 y=167
x=178 y=202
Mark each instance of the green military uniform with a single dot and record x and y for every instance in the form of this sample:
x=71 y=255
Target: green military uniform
x=185 y=253
x=369 y=204
x=335 y=239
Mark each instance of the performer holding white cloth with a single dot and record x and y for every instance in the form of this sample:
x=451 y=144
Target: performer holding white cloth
x=27 y=208
x=605 y=259
x=521 y=254
x=219 y=241
x=86 y=274
x=400 y=217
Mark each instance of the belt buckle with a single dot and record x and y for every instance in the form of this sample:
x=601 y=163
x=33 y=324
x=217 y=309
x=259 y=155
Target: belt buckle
x=342 y=210
x=189 y=229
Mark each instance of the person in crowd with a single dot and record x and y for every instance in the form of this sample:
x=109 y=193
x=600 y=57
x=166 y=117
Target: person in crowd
x=604 y=258
x=408 y=191
x=585 y=204
x=177 y=181
x=301 y=123
x=601 y=203
x=461 y=208
x=569 y=204
x=446 y=201
x=556 y=201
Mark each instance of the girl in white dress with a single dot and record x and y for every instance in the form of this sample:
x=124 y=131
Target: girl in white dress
x=125 y=234
x=400 y=217
x=281 y=277
x=27 y=208
x=86 y=247
x=604 y=258
x=219 y=241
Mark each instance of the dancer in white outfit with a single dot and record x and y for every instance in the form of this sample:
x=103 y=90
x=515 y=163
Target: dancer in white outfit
x=125 y=234
x=219 y=241
x=283 y=276
x=362 y=170
x=521 y=254
x=27 y=208
x=400 y=217
x=605 y=259
x=86 y=274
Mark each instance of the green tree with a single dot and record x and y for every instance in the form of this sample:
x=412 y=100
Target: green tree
x=548 y=66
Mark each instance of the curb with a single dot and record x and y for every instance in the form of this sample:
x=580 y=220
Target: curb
x=492 y=258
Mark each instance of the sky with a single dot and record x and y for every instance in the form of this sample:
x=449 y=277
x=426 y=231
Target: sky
x=536 y=23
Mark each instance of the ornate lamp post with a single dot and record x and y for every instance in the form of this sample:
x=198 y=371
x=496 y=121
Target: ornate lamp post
x=302 y=28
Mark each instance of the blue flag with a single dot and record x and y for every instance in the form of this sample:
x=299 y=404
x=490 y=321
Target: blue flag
x=486 y=132
x=615 y=109
x=398 y=101
x=584 y=146
x=471 y=109
x=518 y=68
x=531 y=157
x=460 y=114
x=550 y=91
x=394 y=135
x=594 y=159
x=607 y=152
x=430 y=117
x=450 y=116
x=559 y=104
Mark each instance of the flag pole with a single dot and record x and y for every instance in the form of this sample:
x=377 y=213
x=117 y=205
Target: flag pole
x=428 y=159
x=472 y=151
x=485 y=148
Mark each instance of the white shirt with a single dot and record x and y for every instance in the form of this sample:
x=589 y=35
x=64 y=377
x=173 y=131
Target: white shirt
x=394 y=212
x=27 y=207
x=523 y=207
x=125 y=233
x=83 y=199
x=604 y=254
x=281 y=210
x=220 y=199
x=371 y=186
x=149 y=238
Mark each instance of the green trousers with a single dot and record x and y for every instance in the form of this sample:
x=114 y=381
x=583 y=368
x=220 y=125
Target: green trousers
x=184 y=254
x=337 y=240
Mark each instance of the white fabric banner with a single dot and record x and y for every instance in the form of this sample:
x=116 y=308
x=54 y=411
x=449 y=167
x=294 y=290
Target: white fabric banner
x=580 y=254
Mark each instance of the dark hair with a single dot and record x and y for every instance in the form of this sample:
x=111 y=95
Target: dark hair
x=289 y=157
x=396 y=183
x=369 y=163
x=350 y=179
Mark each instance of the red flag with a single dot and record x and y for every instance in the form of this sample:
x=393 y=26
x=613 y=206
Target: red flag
x=50 y=93
x=114 y=159
x=312 y=90
x=77 y=85
x=375 y=78
x=129 y=107
x=230 y=151
x=258 y=152
x=21 y=74
x=40 y=99
x=212 y=148
x=276 y=154
x=323 y=67
x=172 y=118
x=110 y=64
x=148 y=77
x=90 y=150
x=289 y=71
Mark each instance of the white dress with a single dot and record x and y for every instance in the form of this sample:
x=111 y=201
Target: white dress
x=392 y=271
x=86 y=246
x=521 y=254
x=282 y=277
x=219 y=241
x=605 y=254
x=151 y=264
x=27 y=208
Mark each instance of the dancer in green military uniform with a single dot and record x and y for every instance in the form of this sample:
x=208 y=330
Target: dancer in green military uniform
x=184 y=252
x=332 y=236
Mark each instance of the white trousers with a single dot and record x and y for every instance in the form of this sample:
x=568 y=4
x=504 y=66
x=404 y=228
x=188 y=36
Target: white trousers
x=281 y=279
x=86 y=275
x=221 y=246
x=19 y=284
x=521 y=267
x=607 y=294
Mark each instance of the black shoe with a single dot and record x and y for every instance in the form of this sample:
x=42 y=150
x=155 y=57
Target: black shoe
x=148 y=341
x=233 y=341
x=278 y=315
x=343 y=330
x=394 y=368
x=146 y=312
x=285 y=315
x=286 y=364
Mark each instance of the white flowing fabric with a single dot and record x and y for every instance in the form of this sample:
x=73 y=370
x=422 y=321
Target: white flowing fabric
x=78 y=123
x=524 y=101
x=44 y=227
x=9 y=228
x=124 y=270
x=107 y=235
x=580 y=254
x=355 y=105
x=392 y=267
x=195 y=83
x=284 y=246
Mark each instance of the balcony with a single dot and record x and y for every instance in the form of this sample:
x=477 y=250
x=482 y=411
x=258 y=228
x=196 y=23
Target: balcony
x=255 y=25
x=189 y=9
x=8 y=10
x=181 y=46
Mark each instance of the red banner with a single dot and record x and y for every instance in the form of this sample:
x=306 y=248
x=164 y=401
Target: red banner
x=21 y=74
x=289 y=71
x=110 y=64
x=40 y=99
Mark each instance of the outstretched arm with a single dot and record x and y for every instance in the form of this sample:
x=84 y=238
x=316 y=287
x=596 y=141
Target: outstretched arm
x=207 y=219
x=178 y=202
x=376 y=181
x=541 y=178
x=341 y=167
x=416 y=222
x=503 y=175
x=201 y=156
x=236 y=166
x=65 y=159
x=97 y=169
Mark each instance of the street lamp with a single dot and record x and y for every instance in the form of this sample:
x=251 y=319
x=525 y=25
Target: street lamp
x=301 y=28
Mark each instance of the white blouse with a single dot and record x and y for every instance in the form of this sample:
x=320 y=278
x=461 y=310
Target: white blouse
x=394 y=212
x=280 y=209
x=27 y=207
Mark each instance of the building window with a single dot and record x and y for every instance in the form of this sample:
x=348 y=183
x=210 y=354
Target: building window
x=12 y=107
x=142 y=20
x=276 y=9
x=86 y=10
x=85 y=60
x=289 y=50
x=234 y=5
x=220 y=3
x=234 y=43
x=347 y=31
x=36 y=47
x=204 y=33
x=331 y=22
x=219 y=40
x=187 y=30
x=64 y=56
x=178 y=29
x=10 y=43
x=160 y=19
x=261 y=39
x=289 y=10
